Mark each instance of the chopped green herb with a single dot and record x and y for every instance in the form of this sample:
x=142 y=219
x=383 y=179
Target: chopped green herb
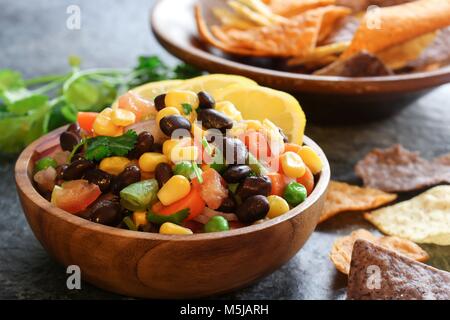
x=176 y=217
x=129 y=223
x=198 y=172
x=44 y=163
x=103 y=147
x=187 y=108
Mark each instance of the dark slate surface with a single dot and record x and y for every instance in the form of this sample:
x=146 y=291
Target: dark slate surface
x=34 y=39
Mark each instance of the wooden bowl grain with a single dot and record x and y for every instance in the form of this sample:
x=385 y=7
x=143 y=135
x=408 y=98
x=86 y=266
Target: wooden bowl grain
x=165 y=266
x=326 y=99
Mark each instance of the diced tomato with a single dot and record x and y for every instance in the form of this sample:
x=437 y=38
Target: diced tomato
x=278 y=183
x=86 y=120
x=213 y=190
x=307 y=180
x=75 y=196
x=140 y=107
x=193 y=201
x=256 y=142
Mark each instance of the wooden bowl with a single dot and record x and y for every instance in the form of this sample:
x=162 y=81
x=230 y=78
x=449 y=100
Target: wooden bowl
x=327 y=99
x=153 y=265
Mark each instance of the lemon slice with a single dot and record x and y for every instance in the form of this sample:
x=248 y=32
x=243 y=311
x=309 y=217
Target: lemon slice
x=259 y=103
x=214 y=84
x=150 y=90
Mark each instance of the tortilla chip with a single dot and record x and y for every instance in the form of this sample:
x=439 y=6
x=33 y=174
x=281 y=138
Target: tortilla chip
x=231 y=20
x=291 y=8
x=436 y=55
x=399 y=24
x=206 y=36
x=379 y=273
x=330 y=16
x=399 y=56
x=361 y=5
x=343 y=31
x=362 y=64
x=294 y=38
x=423 y=219
x=396 y=169
x=343 y=197
x=341 y=252
x=249 y=14
x=320 y=53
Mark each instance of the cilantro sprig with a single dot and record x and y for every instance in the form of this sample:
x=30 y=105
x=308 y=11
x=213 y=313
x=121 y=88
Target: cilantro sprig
x=102 y=147
x=187 y=108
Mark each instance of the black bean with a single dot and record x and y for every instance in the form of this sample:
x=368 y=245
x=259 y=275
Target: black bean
x=129 y=175
x=233 y=150
x=206 y=101
x=213 y=119
x=75 y=128
x=285 y=139
x=68 y=140
x=254 y=185
x=59 y=174
x=144 y=144
x=157 y=147
x=171 y=123
x=252 y=209
x=163 y=172
x=77 y=156
x=149 y=227
x=160 y=102
x=77 y=169
x=236 y=173
x=100 y=178
x=228 y=205
x=106 y=212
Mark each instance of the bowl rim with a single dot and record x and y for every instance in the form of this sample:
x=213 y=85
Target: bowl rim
x=24 y=185
x=197 y=53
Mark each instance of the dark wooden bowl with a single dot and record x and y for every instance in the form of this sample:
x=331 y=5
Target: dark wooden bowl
x=165 y=266
x=327 y=99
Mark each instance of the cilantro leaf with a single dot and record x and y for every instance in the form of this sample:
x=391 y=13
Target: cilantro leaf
x=187 y=108
x=102 y=147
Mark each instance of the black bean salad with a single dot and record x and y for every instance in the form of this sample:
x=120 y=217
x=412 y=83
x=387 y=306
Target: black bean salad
x=180 y=164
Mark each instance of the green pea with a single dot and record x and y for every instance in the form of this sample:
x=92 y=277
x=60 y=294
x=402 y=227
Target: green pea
x=184 y=168
x=44 y=163
x=294 y=193
x=216 y=224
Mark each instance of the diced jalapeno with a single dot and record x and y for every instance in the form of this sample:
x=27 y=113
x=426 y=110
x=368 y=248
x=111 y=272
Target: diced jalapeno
x=140 y=195
x=44 y=163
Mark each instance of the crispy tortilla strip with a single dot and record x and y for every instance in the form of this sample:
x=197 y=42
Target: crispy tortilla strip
x=262 y=9
x=399 y=24
x=294 y=38
x=399 y=56
x=341 y=252
x=206 y=36
x=423 y=219
x=360 y=5
x=343 y=197
x=251 y=15
x=436 y=55
x=319 y=53
x=397 y=169
x=231 y=20
x=401 y=277
x=362 y=64
x=330 y=16
x=291 y=8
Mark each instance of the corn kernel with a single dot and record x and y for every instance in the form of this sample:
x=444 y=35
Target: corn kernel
x=172 y=228
x=103 y=125
x=140 y=218
x=311 y=159
x=253 y=125
x=277 y=206
x=149 y=160
x=168 y=145
x=292 y=165
x=114 y=165
x=167 y=111
x=176 y=188
x=189 y=153
x=228 y=108
x=122 y=117
x=176 y=98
